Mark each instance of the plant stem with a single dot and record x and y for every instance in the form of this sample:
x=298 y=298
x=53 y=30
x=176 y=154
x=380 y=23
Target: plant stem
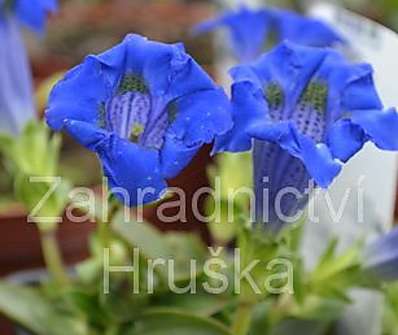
x=104 y=227
x=243 y=314
x=52 y=257
x=103 y=233
x=243 y=317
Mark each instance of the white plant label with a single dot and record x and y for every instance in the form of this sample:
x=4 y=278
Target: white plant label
x=371 y=41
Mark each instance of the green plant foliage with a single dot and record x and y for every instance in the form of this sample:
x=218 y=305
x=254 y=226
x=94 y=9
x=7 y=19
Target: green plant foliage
x=391 y=310
x=232 y=176
x=159 y=322
x=290 y=299
x=317 y=301
x=33 y=310
x=33 y=159
x=176 y=247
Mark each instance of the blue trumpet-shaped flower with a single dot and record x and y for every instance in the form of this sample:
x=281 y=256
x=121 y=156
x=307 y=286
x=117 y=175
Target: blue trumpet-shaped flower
x=303 y=30
x=145 y=108
x=381 y=257
x=32 y=13
x=250 y=30
x=307 y=110
x=16 y=94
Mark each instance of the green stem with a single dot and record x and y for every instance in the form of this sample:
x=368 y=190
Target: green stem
x=104 y=233
x=243 y=318
x=53 y=258
x=244 y=312
x=104 y=228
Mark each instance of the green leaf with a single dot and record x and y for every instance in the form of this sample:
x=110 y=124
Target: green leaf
x=337 y=273
x=35 y=151
x=43 y=200
x=390 y=318
x=179 y=248
x=234 y=171
x=261 y=322
x=318 y=308
x=300 y=327
x=231 y=178
x=329 y=253
x=223 y=228
x=164 y=322
x=33 y=157
x=331 y=265
x=143 y=236
x=6 y=143
x=200 y=304
x=29 y=308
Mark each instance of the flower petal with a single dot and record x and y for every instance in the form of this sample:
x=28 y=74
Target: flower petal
x=34 y=13
x=248 y=30
x=86 y=134
x=360 y=91
x=130 y=168
x=65 y=103
x=306 y=31
x=248 y=105
x=319 y=162
x=345 y=139
x=133 y=170
x=201 y=116
x=166 y=68
x=175 y=156
x=381 y=127
x=16 y=92
x=316 y=157
x=282 y=185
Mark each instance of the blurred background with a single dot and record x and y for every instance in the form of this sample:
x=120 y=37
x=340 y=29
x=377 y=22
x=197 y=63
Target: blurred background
x=91 y=26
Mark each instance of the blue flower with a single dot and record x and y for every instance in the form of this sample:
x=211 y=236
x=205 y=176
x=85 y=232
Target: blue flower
x=32 y=13
x=16 y=94
x=307 y=111
x=250 y=30
x=145 y=108
x=380 y=258
x=305 y=31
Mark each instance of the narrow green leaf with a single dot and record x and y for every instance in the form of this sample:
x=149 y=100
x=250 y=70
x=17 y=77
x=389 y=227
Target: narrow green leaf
x=29 y=308
x=143 y=236
x=164 y=322
x=177 y=248
x=200 y=304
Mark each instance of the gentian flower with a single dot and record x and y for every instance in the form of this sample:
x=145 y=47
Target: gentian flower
x=31 y=13
x=251 y=30
x=304 y=30
x=380 y=258
x=145 y=108
x=308 y=110
x=16 y=93
x=248 y=30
